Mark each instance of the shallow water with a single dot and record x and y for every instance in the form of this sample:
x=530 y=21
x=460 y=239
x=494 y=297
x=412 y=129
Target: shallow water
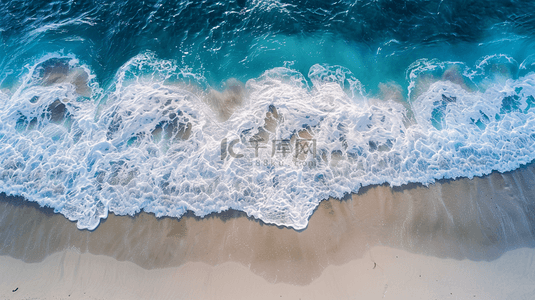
x=267 y=107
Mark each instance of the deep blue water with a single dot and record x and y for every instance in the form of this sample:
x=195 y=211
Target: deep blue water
x=242 y=39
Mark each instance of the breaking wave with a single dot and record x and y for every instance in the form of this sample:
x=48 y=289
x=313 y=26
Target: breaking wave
x=159 y=138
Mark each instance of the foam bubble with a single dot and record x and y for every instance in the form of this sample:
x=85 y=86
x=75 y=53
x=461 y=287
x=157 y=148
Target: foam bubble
x=158 y=140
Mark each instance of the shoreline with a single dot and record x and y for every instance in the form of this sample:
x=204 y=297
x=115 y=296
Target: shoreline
x=474 y=220
x=234 y=213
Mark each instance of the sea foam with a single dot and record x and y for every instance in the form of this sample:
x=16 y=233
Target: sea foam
x=152 y=140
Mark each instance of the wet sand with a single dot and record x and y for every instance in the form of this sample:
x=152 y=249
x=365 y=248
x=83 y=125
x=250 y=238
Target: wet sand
x=483 y=223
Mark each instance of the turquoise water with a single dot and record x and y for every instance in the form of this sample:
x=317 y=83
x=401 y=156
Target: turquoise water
x=124 y=106
x=376 y=40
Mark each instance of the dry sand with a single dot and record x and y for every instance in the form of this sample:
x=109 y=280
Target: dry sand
x=474 y=236
x=383 y=273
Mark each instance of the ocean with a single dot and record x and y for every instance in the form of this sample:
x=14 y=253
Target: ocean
x=267 y=107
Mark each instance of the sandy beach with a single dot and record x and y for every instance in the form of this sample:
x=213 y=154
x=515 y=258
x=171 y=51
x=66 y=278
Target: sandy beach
x=465 y=238
x=383 y=273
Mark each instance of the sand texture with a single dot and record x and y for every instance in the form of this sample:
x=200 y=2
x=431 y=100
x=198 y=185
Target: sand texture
x=466 y=227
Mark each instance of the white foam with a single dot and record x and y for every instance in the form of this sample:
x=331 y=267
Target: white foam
x=154 y=145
